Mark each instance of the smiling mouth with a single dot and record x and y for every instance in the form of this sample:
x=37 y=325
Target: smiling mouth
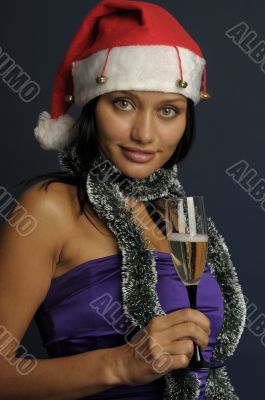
x=134 y=149
x=137 y=156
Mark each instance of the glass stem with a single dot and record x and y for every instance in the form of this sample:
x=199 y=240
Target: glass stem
x=192 y=292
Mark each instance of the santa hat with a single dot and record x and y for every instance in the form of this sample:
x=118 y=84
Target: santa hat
x=121 y=45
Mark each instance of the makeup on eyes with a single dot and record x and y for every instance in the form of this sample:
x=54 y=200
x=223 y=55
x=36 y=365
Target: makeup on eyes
x=164 y=105
x=133 y=95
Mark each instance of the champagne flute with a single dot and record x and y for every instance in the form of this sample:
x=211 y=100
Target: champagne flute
x=186 y=231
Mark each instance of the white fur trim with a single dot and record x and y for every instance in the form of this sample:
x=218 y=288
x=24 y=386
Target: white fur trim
x=140 y=67
x=54 y=134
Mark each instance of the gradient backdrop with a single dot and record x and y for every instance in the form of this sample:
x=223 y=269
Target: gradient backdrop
x=226 y=164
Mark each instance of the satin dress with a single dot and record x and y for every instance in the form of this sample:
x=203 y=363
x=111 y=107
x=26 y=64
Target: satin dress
x=70 y=320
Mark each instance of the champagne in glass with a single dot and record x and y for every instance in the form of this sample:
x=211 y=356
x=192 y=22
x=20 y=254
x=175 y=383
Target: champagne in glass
x=186 y=231
x=190 y=253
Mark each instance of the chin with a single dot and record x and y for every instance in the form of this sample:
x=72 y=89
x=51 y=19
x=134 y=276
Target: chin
x=138 y=170
x=139 y=175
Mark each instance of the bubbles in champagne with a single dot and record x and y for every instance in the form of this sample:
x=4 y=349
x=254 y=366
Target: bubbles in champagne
x=189 y=255
x=185 y=237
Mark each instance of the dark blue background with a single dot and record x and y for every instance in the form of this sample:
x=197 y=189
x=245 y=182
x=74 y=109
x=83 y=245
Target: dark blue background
x=230 y=128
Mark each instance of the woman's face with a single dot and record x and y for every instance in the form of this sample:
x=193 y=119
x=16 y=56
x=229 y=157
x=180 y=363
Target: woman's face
x=146 y=121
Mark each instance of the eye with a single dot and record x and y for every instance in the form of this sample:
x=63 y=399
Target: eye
x=122 y=101
x=124 y=106
x=171 y=109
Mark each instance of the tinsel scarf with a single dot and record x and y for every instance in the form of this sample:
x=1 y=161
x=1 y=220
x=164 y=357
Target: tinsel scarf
x=108 y=191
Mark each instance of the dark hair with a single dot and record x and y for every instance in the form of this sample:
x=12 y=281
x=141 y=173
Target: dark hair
x=87 y=150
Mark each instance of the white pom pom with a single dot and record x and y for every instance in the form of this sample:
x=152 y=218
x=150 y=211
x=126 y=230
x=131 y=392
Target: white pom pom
x=54 y=134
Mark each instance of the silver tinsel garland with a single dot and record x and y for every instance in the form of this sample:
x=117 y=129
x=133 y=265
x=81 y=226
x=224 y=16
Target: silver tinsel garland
x=108 y=193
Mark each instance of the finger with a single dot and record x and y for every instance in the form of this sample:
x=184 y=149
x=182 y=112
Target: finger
x=187 y=330
x=172 y=363
x=185 y=346
x=187 y=315
x=180 y=361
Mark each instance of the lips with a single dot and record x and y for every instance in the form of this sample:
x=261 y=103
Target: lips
x=139 y=150
x=138 y=156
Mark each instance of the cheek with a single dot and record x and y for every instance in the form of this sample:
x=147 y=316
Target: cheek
x=178 y=132
x=109 y=126
x=172 y=138
x=110 y=134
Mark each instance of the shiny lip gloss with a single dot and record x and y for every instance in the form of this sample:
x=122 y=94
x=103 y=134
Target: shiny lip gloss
x=137 y=156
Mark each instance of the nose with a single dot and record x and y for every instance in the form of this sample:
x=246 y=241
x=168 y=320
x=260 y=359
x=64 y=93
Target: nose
x=142 y=130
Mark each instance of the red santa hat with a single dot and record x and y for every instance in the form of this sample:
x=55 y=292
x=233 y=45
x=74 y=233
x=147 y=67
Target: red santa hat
x=121 y=45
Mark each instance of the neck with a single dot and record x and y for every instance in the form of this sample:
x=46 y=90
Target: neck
x=152 y=187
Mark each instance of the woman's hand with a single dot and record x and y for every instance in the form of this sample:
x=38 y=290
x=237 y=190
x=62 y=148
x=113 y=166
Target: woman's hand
x=165 y=344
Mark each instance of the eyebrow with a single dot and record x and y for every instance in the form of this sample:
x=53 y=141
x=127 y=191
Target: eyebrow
x=162 y=101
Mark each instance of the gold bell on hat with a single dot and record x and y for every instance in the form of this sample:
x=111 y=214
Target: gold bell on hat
x=69 y=98
x=101 y=79
x=205 y=96
x=181 y=83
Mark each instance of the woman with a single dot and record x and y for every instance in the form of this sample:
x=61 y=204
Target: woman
x=99 y=269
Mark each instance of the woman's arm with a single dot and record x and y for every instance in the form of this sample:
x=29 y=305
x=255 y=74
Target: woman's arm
x=62 y=378
x=26 y=269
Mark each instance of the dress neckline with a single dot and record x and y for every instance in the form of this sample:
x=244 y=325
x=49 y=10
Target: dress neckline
x=99 y=260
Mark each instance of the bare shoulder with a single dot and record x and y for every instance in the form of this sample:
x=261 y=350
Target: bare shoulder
x=57 y=197
x=28 y=258
x=50 y=210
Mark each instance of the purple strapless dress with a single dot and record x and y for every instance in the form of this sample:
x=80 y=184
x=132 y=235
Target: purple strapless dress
x=69 y=325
